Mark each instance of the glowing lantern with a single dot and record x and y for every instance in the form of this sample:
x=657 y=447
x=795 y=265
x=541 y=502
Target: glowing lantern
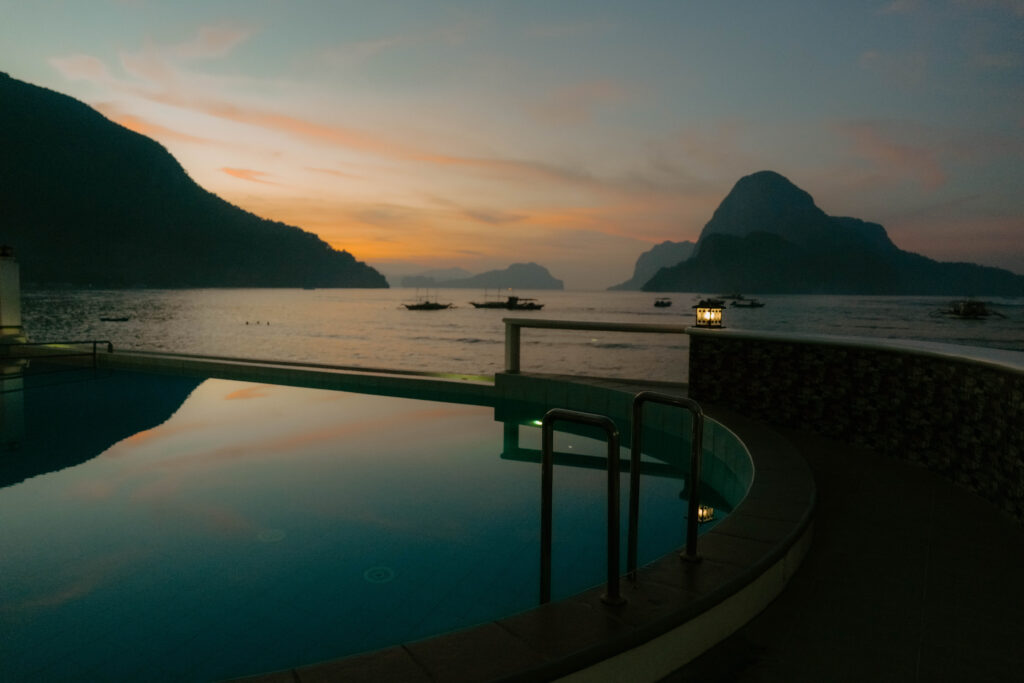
x=705 y=513
x=709 y=317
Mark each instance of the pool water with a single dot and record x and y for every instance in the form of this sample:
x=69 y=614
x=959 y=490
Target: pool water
x=168 y=528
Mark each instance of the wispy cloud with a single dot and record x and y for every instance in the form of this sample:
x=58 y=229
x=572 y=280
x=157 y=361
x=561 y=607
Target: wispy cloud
x=568 y=29
x=900 y=7
x=357 y=53
x=1014 y=6
x=576 y=104
x=248 y=174
x=82 y=68
x=1000 y=61
x=875 y=143
x=148 y=128
x=333 y=172
x=907 y=69
x=212 y=42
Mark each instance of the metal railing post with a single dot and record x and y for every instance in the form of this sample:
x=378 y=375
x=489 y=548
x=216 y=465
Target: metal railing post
x=512 y=335
x=636 y=447
x=612 y=595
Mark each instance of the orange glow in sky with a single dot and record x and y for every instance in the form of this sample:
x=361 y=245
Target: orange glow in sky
x=573 y=134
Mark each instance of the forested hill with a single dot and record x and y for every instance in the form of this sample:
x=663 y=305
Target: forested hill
x=87 y=202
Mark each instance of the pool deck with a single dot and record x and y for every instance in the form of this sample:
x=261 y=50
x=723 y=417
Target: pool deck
x=909 y=578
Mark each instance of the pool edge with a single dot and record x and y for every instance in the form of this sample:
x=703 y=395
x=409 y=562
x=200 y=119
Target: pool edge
x=674 y=613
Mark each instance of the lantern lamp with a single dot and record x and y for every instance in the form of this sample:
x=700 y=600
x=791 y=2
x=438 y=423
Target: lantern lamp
x=709 y=317
x=705 y=513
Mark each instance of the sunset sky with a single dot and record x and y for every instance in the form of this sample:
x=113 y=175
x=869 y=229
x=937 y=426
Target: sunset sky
x=433 y=133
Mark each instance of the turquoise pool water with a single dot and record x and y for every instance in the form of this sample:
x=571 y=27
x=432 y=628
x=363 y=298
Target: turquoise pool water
x=166 y=528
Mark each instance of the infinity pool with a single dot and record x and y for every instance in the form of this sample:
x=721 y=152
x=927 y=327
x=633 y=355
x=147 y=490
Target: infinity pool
x=164 y=528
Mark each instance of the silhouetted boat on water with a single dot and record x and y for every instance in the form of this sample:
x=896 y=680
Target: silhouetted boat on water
x=115 y=319
x=747 y=303
x=662 y=302
x=511 y=303
x=968 y=309
x=425 y=303
x=426 y=306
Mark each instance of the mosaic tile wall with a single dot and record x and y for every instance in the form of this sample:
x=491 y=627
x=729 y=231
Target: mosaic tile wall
x=961 y=419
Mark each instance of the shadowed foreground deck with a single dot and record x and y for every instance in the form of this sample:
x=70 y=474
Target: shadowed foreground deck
x=909 y=578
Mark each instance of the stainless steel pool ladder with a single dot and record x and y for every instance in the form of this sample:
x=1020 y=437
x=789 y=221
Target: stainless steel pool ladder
x=636 y=448
x=612 y=595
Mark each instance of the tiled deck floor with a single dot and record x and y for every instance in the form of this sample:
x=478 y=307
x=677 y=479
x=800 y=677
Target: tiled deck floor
x=909 y=578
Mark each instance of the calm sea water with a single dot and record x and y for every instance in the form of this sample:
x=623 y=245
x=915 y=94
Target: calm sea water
x=371 y=328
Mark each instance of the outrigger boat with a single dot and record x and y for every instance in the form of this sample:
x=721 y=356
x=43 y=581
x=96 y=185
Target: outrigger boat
x=511 y=303
x=969 y=309
x=425 y=303
x=426 y=306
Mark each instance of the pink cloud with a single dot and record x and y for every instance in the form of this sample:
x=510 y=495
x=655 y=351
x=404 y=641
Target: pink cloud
x=248 y=174
x=1014 y=6
x=82 y=68
x=900 y=7
x=577 y=103
x=212 y=41
x=892 y=158
x=906 y=69
x=147 y=128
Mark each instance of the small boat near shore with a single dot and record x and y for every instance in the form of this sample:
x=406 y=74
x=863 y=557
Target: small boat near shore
x=115 y=319
x=968 y=309
x=662 y=302
x=746 y=303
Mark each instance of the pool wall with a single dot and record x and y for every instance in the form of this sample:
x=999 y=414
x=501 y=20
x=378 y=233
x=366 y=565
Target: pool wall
x=453 y=388
x=957 y=411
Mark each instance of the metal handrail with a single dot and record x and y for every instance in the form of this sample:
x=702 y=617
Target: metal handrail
x=612 y=595
x=514 y=325
x=93 y=342
x=324 y=366
x=634 y=474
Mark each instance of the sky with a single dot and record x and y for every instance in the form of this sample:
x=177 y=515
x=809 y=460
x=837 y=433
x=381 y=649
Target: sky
x=421 y=134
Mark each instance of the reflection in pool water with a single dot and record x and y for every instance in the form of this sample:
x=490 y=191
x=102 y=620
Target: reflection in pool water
x=258 y=527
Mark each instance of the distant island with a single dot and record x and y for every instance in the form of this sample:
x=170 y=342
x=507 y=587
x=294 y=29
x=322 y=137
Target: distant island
x=427 y=278
x=516 y=276
x=657 y=257
x=768 y=236
x=86 y=202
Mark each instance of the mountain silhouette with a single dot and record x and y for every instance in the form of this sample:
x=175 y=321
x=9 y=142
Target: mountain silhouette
x=517 y=275
x=89 y=202
x=654 y=259
x=768 y=236
x=428 y=277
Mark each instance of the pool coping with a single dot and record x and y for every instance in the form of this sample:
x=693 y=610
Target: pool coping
x=674 y=611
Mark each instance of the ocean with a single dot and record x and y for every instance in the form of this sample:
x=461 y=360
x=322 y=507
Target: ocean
x=371 y=328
